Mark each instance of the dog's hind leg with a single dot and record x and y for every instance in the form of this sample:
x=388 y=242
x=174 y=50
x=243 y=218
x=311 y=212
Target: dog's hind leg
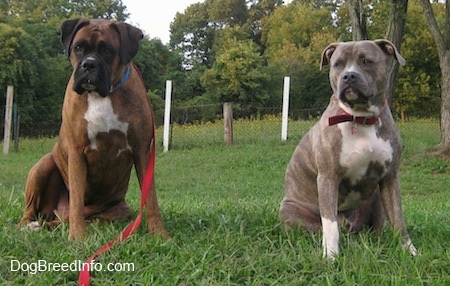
x=295 y=215
x=42 y=191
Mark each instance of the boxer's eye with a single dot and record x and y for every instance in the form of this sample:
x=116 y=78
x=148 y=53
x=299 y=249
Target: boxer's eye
x=106 y=52
x=78 y=49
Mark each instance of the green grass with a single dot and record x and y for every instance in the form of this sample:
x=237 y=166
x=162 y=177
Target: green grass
x=220 y=205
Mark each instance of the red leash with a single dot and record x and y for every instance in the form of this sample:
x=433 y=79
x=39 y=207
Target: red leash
x=84 y=277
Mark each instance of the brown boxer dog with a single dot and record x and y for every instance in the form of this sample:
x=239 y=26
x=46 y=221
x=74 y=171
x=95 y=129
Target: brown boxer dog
x=346 y=168
x=107 y=127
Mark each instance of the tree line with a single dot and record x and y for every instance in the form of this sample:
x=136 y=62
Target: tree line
x=219 y=50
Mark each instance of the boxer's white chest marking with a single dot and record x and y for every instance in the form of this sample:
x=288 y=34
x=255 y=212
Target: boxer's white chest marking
x=101 y=118
x=361 y=148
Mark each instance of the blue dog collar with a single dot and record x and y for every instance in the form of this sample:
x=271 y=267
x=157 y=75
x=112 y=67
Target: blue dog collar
x=125 y=77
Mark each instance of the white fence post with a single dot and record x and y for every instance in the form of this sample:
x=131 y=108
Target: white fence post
x=284 y=116
x=8 y=118
x=167 y=115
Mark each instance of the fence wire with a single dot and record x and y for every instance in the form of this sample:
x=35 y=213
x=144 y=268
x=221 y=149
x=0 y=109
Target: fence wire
x=199 y=126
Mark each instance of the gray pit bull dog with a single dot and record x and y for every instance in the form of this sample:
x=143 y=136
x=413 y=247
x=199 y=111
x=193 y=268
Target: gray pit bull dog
x=345 y=170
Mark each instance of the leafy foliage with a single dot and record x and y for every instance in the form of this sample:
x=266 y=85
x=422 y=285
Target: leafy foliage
x=219 y=50
x=236 y=75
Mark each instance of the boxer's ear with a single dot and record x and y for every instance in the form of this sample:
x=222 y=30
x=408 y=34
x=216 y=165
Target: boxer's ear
x=130 y=37
x=326 y=54
x=68 y=30
x=389 y=48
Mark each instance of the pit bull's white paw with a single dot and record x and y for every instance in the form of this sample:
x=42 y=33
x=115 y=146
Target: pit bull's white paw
x=33 y=225
x=330 y=239
x=408 y=245
x=330 y=255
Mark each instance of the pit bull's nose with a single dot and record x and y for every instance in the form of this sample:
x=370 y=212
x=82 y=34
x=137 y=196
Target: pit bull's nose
x=350 y=77
x=89 y=64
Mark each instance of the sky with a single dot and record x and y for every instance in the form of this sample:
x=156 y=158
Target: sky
x=155 y=22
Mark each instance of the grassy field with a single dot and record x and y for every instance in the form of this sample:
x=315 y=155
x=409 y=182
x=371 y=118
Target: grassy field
x=220 y=205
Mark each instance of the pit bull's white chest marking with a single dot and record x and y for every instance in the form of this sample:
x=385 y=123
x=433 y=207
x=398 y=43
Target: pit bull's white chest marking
x=101 y=118
x=361 y=148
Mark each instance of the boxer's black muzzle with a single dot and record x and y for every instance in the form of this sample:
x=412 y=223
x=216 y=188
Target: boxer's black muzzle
x=353 y=89
x=91 y=75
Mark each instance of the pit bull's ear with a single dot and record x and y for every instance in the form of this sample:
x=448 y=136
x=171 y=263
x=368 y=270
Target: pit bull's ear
x=389 y=48
x=129 y=41
x=326 y=54
x=68 y=30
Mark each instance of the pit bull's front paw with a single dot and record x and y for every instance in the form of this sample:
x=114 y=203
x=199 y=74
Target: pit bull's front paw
x=330 y=254
x=330 y=239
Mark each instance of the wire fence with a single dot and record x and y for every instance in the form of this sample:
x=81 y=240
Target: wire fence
x=198 y=126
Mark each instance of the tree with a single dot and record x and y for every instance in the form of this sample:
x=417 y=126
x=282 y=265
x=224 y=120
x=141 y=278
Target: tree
x=44 y=10
x=192 y=36
x=193 y=32
x=237 y=75
x=32 y=56
x=303 y=25
x=394 y=32
x=441 y=34
x=296 y=35
x=358 y=18
x=156 y=63
x=18 y=59
x=416 y=85
x=259 y=13
x=227 y=13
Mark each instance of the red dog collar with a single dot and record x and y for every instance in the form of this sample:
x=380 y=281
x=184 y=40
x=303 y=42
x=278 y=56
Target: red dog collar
x=346 y=117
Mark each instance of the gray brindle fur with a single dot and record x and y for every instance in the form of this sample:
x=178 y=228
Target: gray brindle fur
x=347 y=173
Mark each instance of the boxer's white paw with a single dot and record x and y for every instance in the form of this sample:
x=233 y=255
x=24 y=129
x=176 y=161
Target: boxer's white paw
x=33 y=225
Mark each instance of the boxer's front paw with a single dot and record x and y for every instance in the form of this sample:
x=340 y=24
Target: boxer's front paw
x=31 y=225
x=78 y=233
x=158 y=229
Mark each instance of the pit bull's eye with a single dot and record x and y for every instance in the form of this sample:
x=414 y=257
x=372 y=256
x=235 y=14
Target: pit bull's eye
x=337 y=64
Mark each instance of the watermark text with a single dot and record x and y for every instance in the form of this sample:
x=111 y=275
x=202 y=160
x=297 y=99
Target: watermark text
x=77 y=265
